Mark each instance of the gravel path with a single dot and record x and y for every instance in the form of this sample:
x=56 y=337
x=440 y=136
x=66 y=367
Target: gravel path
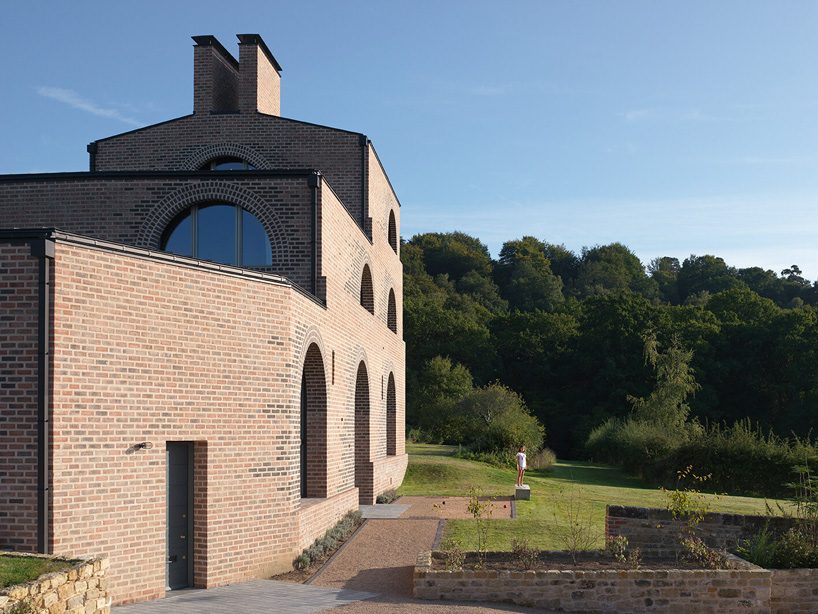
x=398 y=605
x=380 y=558
x=450 y=507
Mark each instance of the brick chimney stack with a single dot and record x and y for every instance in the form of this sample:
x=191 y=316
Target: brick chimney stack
x=260 y=77
x=215 y=77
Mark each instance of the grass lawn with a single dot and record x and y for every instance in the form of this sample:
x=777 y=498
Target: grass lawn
x=19 y=569
x=433 y=471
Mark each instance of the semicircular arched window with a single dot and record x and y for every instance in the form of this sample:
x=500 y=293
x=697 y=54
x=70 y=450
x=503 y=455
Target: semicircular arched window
x=219 y=232
x=228 y=164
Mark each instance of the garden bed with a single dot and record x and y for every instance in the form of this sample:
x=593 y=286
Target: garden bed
x=595 y=560
x=742 y=588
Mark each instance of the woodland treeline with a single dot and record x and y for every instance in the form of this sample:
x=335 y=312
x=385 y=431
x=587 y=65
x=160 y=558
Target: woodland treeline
x=567 y=331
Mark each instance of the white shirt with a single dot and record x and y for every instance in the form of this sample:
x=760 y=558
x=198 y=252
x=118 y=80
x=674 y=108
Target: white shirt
x=520 y=460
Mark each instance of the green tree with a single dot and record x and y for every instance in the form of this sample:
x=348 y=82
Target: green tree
x=665 y=272
x=666 y=405
x=524 y=276
x=496 y=418
x=705 y=273
x=434 y=393
x=613 y=268
x=453 y=254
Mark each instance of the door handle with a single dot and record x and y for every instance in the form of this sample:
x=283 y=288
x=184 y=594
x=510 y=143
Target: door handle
x=172 y=558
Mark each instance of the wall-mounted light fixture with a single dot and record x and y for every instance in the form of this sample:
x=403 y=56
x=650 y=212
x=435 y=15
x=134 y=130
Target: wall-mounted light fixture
x=145 y=445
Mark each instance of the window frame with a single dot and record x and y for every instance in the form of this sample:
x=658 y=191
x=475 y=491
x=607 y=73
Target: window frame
x=238 y=238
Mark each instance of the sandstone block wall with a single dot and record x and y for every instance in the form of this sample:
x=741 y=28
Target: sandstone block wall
x=82 y=589
x=794 y=591
x=655 y=531
x=724 y=591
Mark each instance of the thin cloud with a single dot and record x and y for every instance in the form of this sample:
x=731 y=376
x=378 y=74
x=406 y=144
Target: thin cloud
x=75 y=101
x=655 y=114
x=489 y=90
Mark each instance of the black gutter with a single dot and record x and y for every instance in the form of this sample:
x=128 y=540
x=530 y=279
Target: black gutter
x=185 y=174
x=43 y=249
x=364 y=167
x=314 y=181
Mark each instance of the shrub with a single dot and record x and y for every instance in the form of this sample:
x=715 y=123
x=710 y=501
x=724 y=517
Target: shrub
x=761 y=549
x=576 y=532
x=525 y=554
x=387 y=496
x=697 y=551
x=617 y=547
x=321 y=548
x=542 y=459
x=740 y=458
x=453 y=554
x=495 y=418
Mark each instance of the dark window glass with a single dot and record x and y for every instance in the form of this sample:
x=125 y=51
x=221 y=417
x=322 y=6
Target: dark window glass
x=223 y=233
x=229 y=164
x=216 y=234
x=180 y=240
x=255 y=248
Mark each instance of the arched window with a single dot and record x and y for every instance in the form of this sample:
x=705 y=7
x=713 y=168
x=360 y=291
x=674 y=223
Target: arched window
x=393 y=232
x=367 y=293
x=392 y=313
x=228 y=164
x=222 y=233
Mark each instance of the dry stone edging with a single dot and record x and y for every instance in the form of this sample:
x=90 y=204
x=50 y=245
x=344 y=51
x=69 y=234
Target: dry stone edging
x=81 y=589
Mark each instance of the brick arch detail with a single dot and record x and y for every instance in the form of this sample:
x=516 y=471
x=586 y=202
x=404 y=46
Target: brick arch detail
x=209 y=153
x=387 y=284
x=312 y=335
x=158 y=219
x=360 y=357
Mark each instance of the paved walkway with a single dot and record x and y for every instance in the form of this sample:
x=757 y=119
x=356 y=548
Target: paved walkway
x=256 y=597
x=370 y=574
x=383 y=510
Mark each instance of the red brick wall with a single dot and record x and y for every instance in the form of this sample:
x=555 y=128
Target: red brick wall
x=18 y=397
x=150 y=351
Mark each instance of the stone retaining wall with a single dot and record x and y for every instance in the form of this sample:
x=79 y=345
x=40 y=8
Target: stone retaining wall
x=655 y=532
x=794 y=591
x=746 y=588
x=82 y=589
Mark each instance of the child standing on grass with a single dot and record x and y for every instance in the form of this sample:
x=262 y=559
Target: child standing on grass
x=521 y=463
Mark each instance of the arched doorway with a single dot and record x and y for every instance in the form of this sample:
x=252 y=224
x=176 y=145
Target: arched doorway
x=363 y=465
x=391 y=418
x=313 y=423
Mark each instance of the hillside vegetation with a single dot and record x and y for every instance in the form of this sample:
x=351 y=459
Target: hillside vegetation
x=433 y=471
x=545 y=333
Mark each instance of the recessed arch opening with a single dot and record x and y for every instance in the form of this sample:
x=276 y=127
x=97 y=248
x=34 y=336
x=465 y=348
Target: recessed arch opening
x=313 y=425
x=391 y=417
x=367 y=291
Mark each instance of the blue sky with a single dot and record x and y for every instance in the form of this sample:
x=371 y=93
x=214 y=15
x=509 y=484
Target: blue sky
x=675 y=128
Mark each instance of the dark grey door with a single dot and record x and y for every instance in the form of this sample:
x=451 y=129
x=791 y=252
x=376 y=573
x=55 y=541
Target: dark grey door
x=180 y=514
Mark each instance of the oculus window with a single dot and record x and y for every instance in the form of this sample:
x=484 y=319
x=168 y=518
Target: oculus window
x=222 y=233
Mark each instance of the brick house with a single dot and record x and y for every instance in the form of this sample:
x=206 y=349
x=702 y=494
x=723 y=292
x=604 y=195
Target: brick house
x=201 y=354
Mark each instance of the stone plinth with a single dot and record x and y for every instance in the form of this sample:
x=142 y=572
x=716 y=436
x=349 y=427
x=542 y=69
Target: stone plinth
x=522 y=493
